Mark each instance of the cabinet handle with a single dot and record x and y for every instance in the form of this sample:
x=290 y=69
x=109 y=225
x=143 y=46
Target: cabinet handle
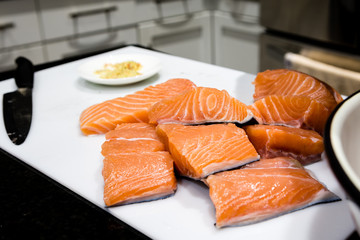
x=4 y=26
x=105 y=10
x=164 y=21
x=244 y=18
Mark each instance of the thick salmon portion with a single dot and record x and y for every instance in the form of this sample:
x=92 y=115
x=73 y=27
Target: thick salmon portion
x=199 y=105
x=103 y=117
x=296 y=111
x=204 y=149
x=249 y=195
x=290 y=82
x=306 y=146
x=132 y=137
x=137 y=177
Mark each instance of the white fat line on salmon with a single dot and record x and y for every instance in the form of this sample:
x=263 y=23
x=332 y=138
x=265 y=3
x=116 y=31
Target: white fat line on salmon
x=131 y=139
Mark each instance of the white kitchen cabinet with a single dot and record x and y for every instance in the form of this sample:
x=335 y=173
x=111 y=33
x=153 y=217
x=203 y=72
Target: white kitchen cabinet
x=158 y=9
x=35 y=53
x=80 y=45
x=250 y=8
x=236 y=42
x=18 y=23
x=73 y=18
x=185 y=35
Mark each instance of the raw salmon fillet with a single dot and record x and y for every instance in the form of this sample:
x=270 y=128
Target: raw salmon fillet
x=199 y=105
x=138 y=177
x=204 y=149
x=290 y=82
x=296 y=111
x=270 y=141
x=249 y=195
x=132 y=137
x=103 y=117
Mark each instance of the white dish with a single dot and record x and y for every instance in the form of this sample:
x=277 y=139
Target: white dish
x=150 y=66
x=342 y=137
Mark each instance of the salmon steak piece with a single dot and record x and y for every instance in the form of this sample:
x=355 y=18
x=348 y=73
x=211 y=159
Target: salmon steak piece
x=250 y=195
x=296 y=111
x=290 y=82
x=201 y=150
x=270 y=141
x=200 y=105
x=132 y=137
x=138 y=177
x=103 y=117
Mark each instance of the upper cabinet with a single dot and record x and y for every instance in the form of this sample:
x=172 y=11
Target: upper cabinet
x=18 y=23
x=185 y=35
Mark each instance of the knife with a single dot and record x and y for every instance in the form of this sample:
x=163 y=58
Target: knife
x=17 y=106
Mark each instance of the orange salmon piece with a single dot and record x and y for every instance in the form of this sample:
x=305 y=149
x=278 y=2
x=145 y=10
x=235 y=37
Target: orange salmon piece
x=249 y=195
x=270 y=141
x=138 y=177
x=132 y=137
x=296 y=111
x=103 y=117
x=204 y=149
x=290 y=82
x=199 y=105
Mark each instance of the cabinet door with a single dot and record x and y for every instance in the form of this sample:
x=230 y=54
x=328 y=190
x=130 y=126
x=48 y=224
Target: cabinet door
x=75 y=46
x=156 y=9
x=236 y=42
x=186 y=36
x=18 y=23
x=7 y=58
x=71 y=18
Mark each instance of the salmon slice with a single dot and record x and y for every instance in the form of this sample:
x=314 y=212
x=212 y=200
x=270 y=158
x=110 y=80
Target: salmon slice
x=138 y=177
x=290 y=82
x=204 y=149
x=250 y=195
x=277 y=162
x=296 y=111
x=132 y=137
x=199 y=105
x=103 y=117
x=306 y=146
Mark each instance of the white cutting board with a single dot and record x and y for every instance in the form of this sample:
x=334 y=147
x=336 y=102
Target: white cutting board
x=56 y=147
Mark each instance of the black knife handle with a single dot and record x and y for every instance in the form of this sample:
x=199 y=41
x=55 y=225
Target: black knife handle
x=24 y=75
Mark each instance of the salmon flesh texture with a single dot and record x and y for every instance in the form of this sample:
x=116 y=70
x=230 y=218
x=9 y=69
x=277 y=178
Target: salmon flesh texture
x=204 y=149
x=273 y=141
x=296 y=111
x=250 y=195
x=290 y=82
x=136 y=168
x=200 y=105
x=138 y=177
x=103 y=117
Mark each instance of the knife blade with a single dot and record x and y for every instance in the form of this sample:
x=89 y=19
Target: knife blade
x=17 y=105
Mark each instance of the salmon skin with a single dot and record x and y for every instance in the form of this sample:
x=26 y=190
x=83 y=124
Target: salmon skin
x=290 y=82
x=198 y=106
x=306 y=146
x=296 y=111
x=254 y=194
x=204 y=149
x=277 y=162
x=103 y=117
x=138 y=177
x=136 y=166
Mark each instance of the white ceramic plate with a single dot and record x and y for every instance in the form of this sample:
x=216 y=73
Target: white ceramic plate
x=150 y=66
